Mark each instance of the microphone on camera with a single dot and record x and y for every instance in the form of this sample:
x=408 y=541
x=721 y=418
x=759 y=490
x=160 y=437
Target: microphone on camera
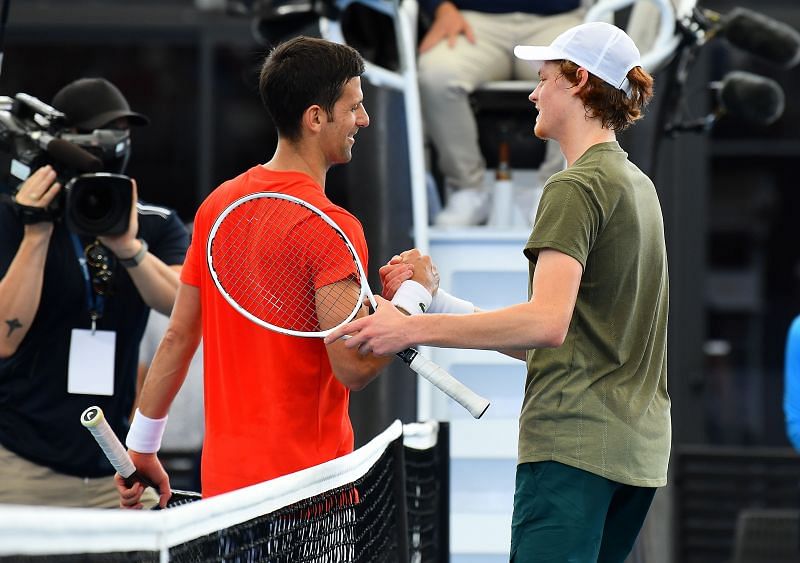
x=750 y=97
x=754 y=98
x=69 y=154
x=762 y=36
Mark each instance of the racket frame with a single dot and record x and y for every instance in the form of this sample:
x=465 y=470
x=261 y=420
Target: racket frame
x=365 y=290
x=466 y=397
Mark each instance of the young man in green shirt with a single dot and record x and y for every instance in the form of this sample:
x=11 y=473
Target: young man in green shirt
x=595 y=426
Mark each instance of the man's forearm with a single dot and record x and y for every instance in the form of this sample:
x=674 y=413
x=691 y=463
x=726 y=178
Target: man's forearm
x=504 y=6
x=156 y=282
x=511 y=330
x=21 y=291
x=165 y=377
x=171 y=362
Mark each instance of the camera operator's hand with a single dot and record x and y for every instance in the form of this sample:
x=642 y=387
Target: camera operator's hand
x=156 y=282
x=126 y=244
x=38 y=191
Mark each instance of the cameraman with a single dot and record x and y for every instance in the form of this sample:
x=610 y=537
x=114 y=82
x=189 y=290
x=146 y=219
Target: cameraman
x=74 y=309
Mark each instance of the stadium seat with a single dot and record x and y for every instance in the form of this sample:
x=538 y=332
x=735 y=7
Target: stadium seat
x=767 y=535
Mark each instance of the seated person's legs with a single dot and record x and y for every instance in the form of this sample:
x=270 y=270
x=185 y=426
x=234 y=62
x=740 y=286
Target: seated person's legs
x=447 y=76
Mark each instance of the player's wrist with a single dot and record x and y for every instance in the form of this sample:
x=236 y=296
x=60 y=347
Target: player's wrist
x=443 y=302
x=412 y=297
x=145 y=433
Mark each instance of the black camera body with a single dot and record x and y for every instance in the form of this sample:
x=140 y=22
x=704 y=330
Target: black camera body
x=23 y=121
x=33 y=134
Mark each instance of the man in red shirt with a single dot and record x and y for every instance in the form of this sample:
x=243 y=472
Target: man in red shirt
x=274 y=404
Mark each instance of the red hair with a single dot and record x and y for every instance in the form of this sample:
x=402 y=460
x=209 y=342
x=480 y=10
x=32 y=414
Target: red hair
x=611 y=105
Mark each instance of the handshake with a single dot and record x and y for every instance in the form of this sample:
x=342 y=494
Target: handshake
x=410 y=281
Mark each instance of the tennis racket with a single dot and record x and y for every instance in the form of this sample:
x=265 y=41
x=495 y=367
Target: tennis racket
x=288 y=267
x=95 y=421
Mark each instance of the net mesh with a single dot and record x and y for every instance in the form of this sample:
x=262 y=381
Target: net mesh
x=358 y=522
x=284 y=265
x=427 y=501
x=383 y=502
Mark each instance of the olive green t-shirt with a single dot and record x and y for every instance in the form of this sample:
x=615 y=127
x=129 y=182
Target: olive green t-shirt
x=599 y=402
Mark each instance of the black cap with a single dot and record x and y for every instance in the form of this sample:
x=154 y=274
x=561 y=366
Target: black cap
x=91 y=103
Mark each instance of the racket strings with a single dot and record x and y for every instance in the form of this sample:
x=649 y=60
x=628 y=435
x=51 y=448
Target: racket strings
x=284 y=265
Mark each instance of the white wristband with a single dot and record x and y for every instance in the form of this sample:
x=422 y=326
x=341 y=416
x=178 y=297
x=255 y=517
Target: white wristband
x=443 y=302
x=145 y=433
x=412 y=297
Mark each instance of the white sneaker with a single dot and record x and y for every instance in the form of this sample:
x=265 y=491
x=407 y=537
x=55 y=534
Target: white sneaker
x=465 y=208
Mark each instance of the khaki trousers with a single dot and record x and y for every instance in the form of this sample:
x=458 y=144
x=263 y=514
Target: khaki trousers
x=24 y=482
x=447 y=76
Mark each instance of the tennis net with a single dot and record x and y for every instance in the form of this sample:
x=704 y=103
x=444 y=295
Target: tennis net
x=426 y=455
x=369 y=506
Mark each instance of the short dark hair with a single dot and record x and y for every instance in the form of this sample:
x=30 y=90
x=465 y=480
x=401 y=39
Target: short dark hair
x=612 y=106
x=302 y=72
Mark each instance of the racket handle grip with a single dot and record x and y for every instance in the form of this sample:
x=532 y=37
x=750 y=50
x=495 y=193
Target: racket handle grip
x=95 y=421
x=437 y=375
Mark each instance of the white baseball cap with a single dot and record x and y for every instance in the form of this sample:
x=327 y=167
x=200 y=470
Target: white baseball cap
x=601 y=48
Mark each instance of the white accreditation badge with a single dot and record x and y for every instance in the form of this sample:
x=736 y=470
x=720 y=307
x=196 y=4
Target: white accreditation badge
x=91 y=362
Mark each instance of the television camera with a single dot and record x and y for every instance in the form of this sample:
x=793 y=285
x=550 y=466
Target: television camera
x=97 y=197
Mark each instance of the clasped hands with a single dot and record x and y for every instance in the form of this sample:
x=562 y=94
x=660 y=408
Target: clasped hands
x=385 y=331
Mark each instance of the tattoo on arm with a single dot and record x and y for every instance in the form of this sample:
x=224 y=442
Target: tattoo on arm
x=13 y=324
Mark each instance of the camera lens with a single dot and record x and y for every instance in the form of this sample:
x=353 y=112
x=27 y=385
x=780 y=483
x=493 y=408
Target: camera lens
x=96 y=203
x=99 y=204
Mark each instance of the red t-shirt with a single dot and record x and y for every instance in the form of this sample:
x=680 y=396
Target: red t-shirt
x=272 y=403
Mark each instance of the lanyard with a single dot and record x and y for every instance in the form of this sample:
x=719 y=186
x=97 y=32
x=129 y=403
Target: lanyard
x=95 y=301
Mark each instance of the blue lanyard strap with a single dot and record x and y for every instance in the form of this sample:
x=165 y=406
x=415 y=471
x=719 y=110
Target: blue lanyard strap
x=94 y=301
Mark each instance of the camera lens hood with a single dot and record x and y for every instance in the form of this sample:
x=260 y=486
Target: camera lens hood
x=99 y=204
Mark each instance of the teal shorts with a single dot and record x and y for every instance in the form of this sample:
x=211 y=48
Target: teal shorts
x=564 y=514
